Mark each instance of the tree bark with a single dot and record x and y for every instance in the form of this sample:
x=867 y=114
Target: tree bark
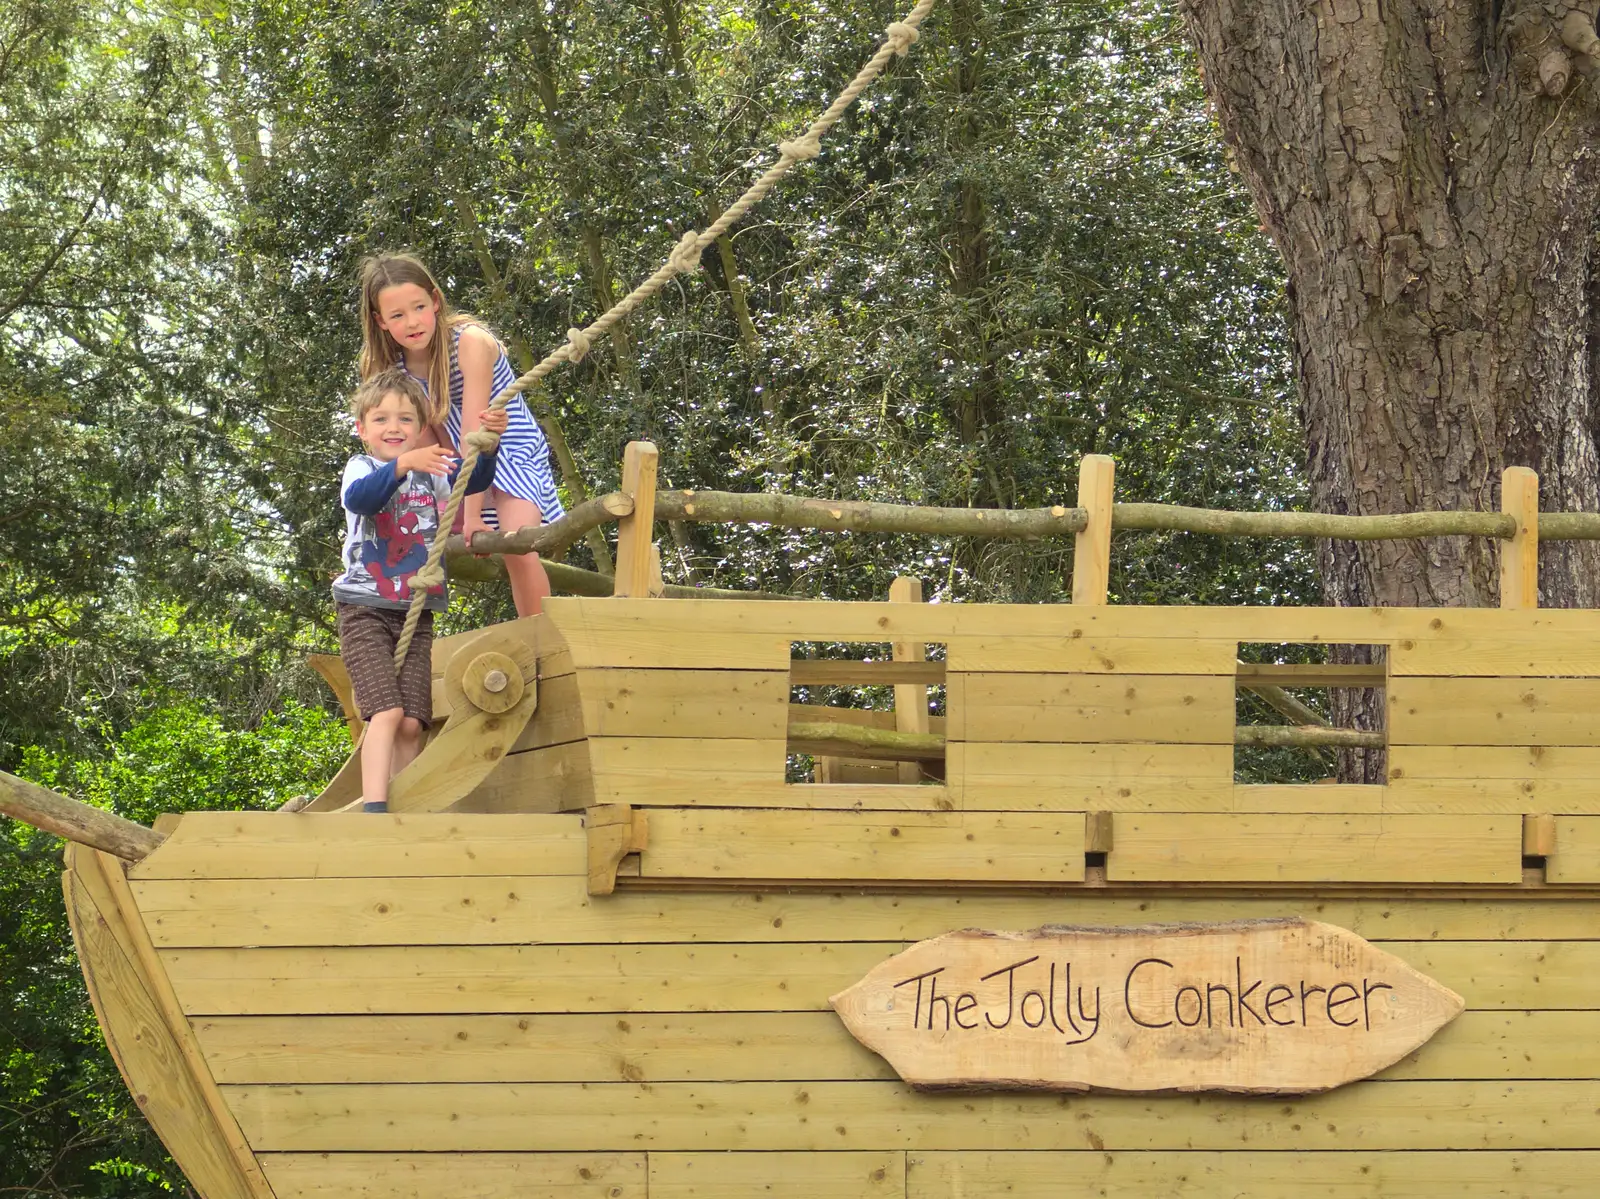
x=1432 y=189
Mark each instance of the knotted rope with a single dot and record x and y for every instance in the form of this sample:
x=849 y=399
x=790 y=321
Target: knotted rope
x=684 y=259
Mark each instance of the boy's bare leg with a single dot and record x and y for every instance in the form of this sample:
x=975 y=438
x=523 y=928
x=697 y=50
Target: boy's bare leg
x=377 y=754
x=407 y=743
x=530 y=583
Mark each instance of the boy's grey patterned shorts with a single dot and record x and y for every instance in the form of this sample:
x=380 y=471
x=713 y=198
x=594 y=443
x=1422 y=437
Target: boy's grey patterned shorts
x=367 y=638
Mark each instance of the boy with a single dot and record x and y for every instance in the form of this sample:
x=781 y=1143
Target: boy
x=393 y=495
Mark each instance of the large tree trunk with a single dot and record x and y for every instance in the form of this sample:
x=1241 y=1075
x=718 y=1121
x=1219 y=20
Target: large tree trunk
x=1430 y=177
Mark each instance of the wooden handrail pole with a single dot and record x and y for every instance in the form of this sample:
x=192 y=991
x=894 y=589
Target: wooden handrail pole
x=1091 y=555
x=1519 y=557
x=91 y=826
x=910 y=699
x=634 y=530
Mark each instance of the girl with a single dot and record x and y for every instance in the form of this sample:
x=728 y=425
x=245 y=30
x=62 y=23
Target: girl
x=406 y=320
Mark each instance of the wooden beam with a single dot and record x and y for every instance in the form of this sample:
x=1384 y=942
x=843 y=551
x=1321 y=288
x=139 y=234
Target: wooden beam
x=1091 y=555
x=910 y=699
x=1312 y=674
x=862 y=516
x=862 y=741
x=841 y=672
x=1519 y=558
x=1403 y=526
x=106 y=887
x=480 y=1175
x=806 y=512
x=866 y=716
x=1283 y=735
x=865 y=741
x=1097 y=832
x=1569 y=526
x=1552 y=712
x=824 y=846
x=268 y=846
x=1286 y=705
x=554 y=538
x=615 y=831
x=1316 y=847
x=1466 y=1116
x=1538 y=835
x=1351 y=1172
x=145 y=1053
x=80 y=822
x=658 y=584
x=874 y=1174
x=639 y=463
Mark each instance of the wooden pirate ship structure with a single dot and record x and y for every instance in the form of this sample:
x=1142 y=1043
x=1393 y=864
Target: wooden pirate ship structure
x=592 y=950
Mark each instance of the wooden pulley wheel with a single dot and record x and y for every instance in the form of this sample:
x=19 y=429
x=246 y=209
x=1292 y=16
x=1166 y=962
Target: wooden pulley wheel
x=492 y=673
x=493 y=682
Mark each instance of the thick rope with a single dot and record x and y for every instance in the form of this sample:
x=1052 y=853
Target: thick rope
x=685 y=258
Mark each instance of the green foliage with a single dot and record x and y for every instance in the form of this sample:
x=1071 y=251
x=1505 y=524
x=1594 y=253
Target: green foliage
x=67 y=1123
x=184 y=758
x=1023 y=246
x=124 y=520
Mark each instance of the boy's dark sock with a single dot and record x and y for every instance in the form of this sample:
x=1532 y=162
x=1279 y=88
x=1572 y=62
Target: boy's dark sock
x=379 y=806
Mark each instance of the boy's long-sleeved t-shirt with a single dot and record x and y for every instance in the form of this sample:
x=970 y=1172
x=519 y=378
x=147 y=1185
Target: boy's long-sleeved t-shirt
x=390 y=521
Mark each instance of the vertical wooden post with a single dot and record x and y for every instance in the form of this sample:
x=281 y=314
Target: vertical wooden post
x=634 y=530
x=658 y=582
x=1091 y=555
x=1519 y=557
x=910 y=699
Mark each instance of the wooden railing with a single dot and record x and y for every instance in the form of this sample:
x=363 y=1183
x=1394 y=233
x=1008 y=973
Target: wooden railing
x=638 y=505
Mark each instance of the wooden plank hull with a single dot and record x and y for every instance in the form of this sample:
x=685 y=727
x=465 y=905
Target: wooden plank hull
x=435 y=1004
x=679 y=1041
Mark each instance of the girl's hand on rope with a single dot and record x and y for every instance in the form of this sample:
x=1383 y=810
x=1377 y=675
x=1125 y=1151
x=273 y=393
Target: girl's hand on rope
x=494 y=420
x=430 y=460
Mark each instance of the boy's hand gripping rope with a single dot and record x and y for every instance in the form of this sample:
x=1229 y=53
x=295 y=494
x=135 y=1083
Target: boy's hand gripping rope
x=684 y=259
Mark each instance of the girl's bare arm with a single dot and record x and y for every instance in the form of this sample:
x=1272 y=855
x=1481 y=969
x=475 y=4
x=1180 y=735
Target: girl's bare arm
x=475 y=354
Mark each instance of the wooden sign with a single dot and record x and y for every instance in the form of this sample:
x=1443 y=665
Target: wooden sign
x=1274 y=1006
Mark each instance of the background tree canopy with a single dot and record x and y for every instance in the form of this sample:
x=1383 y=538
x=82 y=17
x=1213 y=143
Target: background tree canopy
x=1025 y=245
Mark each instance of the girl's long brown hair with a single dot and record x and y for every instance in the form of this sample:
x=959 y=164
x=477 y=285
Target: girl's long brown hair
x=379 y=351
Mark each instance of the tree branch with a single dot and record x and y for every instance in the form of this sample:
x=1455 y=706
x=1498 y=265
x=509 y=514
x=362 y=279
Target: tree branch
x=65 y=243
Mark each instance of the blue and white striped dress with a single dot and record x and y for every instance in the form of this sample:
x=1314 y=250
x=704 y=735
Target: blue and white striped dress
x=523 y=466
